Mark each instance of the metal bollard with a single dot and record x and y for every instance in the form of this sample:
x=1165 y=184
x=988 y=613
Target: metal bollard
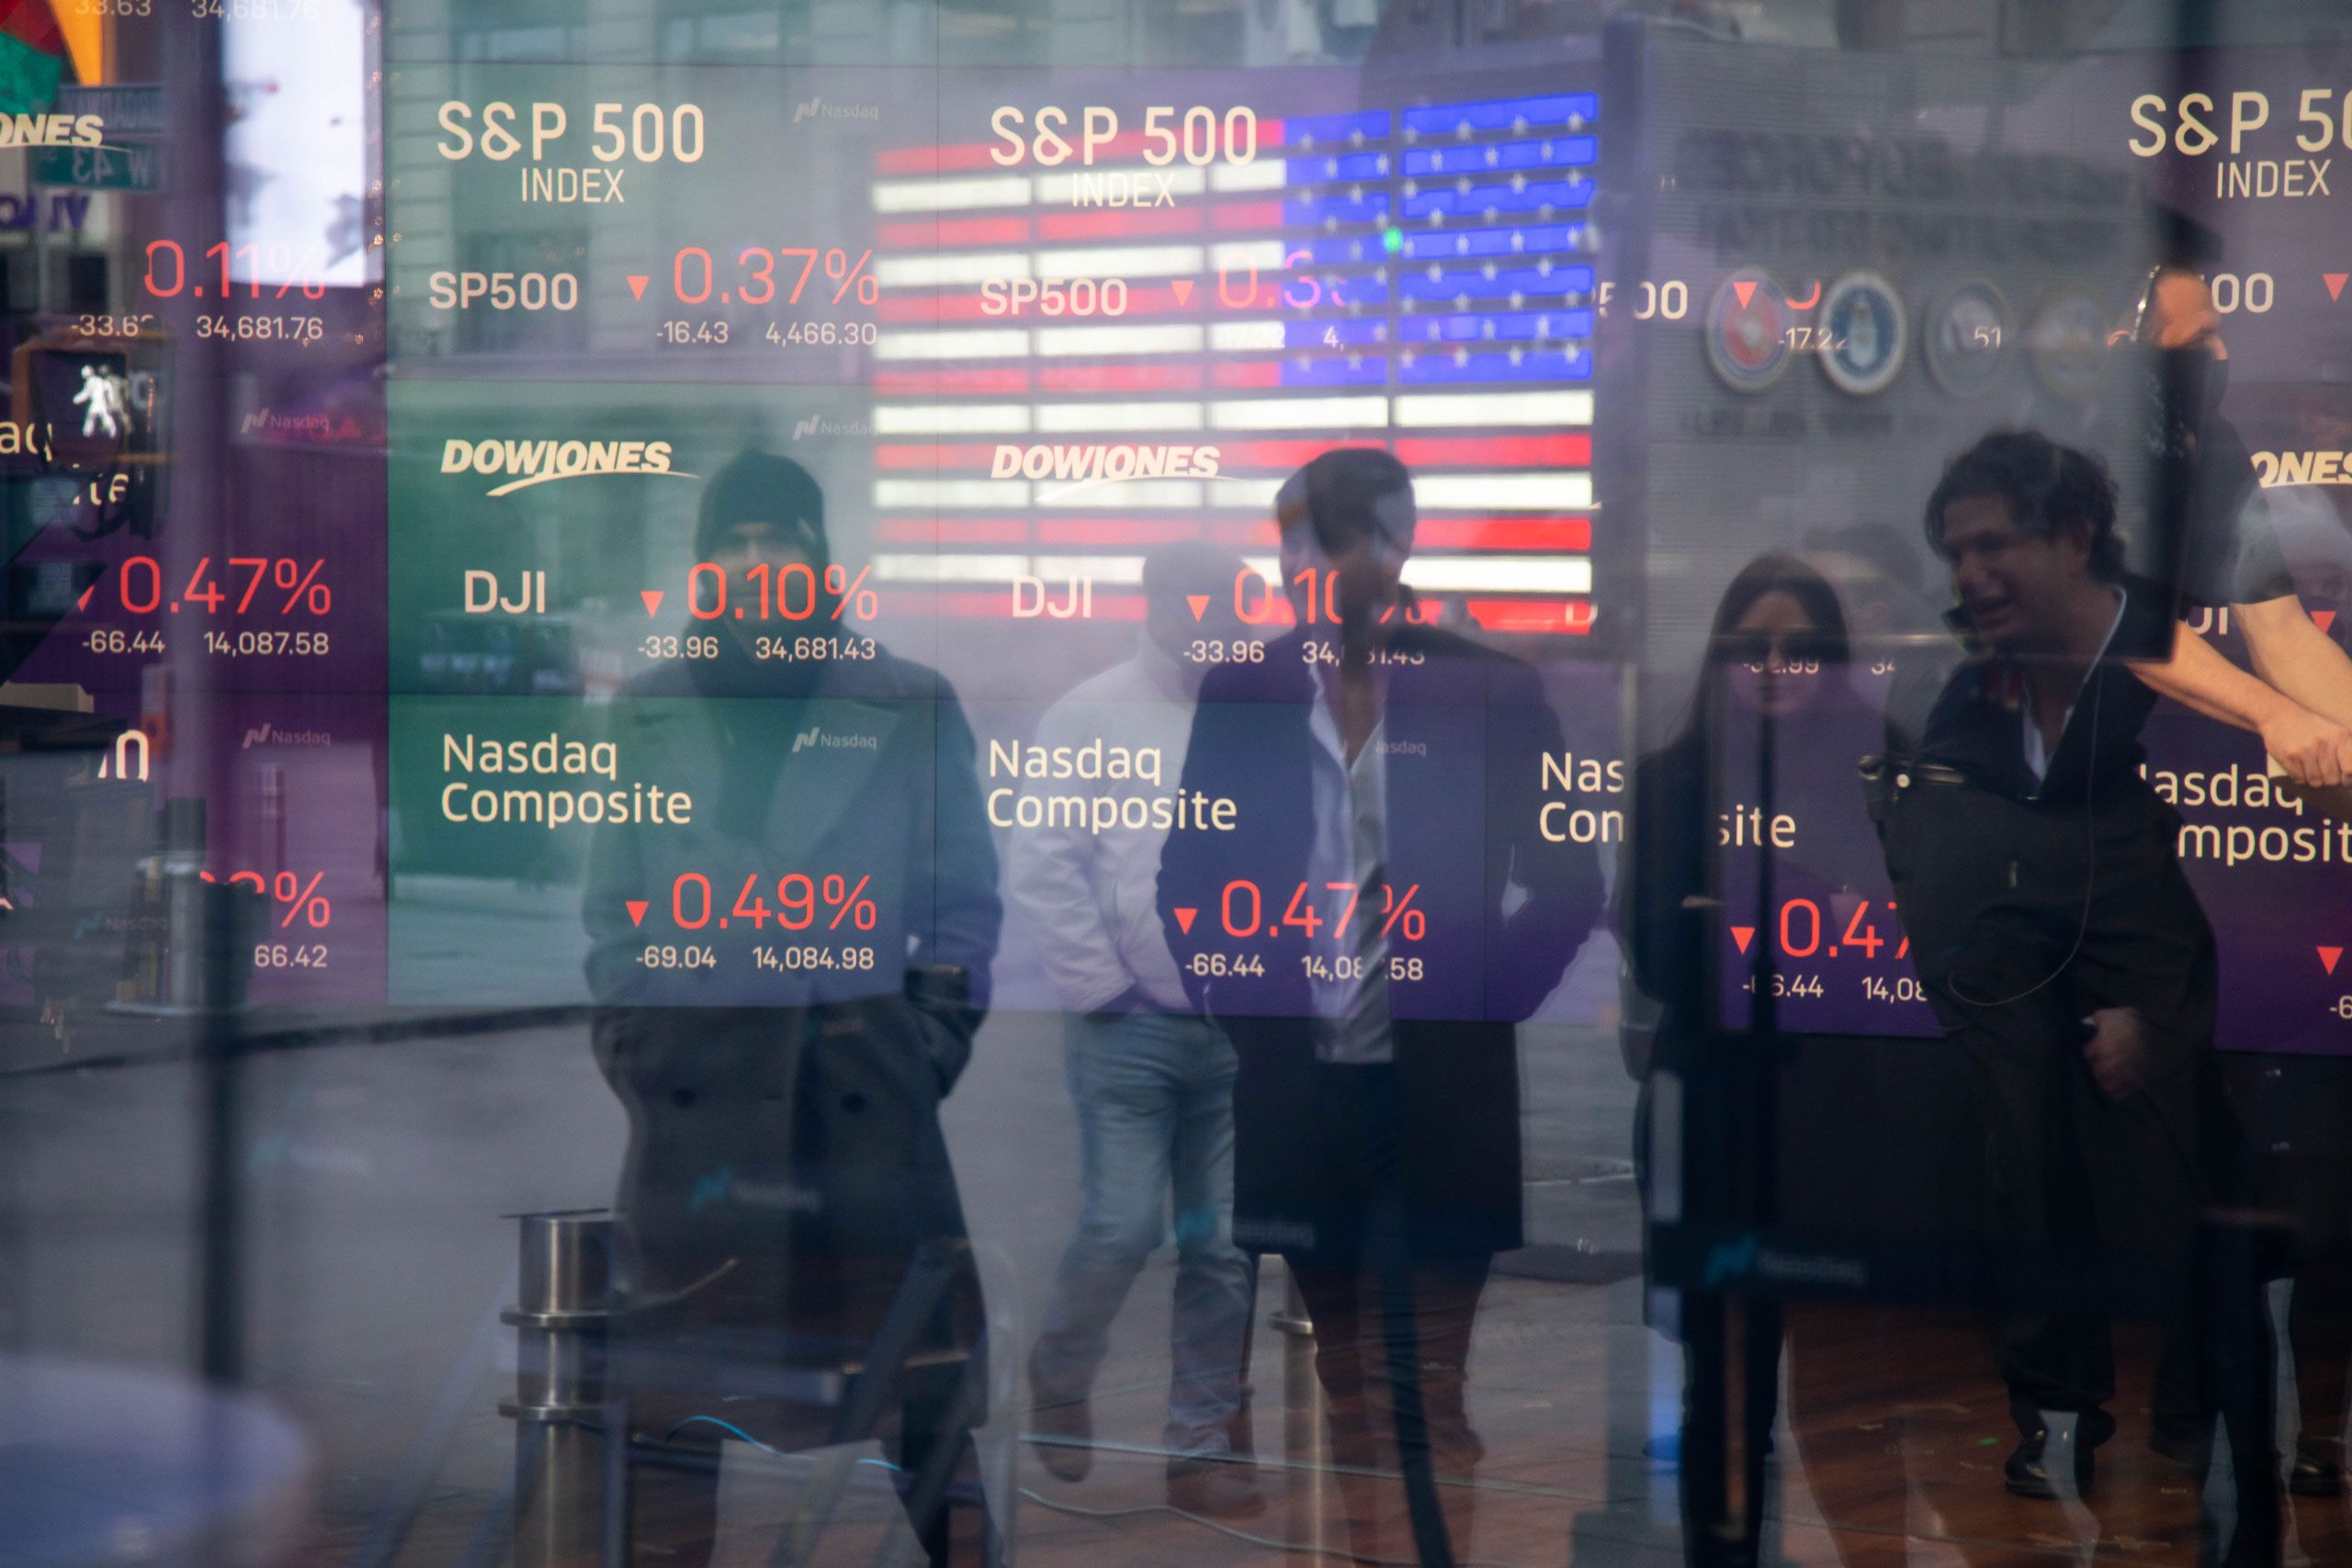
x=1305 y=1448
x=571 y=1508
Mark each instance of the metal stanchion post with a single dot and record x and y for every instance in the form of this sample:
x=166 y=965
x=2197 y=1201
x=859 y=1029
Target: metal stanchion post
x=1303 y=1424
x=571 y=1496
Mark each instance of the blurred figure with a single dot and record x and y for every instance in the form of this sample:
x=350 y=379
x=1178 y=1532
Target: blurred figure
x=1374 y=797
x=1774 y=679
x=786 y=1207
x=1150 y=1079
x=2064 y=951
x=2231 y=554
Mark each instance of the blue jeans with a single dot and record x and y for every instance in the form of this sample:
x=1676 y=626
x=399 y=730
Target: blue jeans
x=1154 y=1095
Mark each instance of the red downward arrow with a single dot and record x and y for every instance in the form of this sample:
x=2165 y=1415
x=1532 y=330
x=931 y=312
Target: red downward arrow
x=1746 y=291
x=1183 y=289
x=1199 y=601
x=2334 y=281
x=636 y=908
x=653 y=597
x=1743 y=935
x=637 y=282
x=2328 y=955
x=1184 y=917
x=2327 y=618
x=83 y=602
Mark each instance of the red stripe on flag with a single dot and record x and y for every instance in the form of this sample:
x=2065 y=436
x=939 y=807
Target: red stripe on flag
x=1573 y=619
x=924 y=233
x=1260 y=534
x=1267 y=373
x=1283 y=457
x=1110 y=224
x=951 y=531
x=905 y=383
x=938 y=160
x=931 y=307
x=1120 y=379
x=920 y=603
x=1489 y=451
x=1248 y=215
x=1558 y=534
x=1114 y=531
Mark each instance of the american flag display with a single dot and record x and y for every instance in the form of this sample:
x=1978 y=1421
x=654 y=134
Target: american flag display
x=1415 y=277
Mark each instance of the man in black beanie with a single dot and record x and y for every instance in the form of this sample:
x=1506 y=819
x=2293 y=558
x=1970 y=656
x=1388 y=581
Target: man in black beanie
x=787 y=1200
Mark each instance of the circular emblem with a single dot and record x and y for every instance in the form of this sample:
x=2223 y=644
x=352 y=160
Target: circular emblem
x=1861 y=334
x=1748 y=331
x=2067 y=345
x=1967 y=338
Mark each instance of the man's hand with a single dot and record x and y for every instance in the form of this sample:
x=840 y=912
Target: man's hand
x=2117 y=1051
x=2314 y=751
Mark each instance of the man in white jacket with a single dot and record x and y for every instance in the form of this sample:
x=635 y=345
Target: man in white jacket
x=1152 y=1081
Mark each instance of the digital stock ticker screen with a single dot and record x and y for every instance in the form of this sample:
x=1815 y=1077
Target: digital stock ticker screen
x=1437 y=629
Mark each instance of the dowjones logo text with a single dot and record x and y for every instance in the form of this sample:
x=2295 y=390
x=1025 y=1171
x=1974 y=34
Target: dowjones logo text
x=1082 y=466
x=536 y=462
x=53 y=130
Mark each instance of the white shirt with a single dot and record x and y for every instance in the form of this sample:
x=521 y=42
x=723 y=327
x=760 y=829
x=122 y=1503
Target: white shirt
x=1350 y=845
x=1091 y=899
x=2037 y=751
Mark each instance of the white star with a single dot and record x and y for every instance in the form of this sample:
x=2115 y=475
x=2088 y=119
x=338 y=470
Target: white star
x=1355 y=361
x=1462 y=244
x=1331 y=223
x=1380 y=165
x=1461 y=302
x=1461 y=185
x=1576 y=122
x=1435 y=272
x=1547 y=151
x=1517 y=298
x=1381 y=273
x=1487 y=329
x=1543 y=266
x=1576 y=178
x=1412 y=134
x=1461 y=130
x=1380 y=331
x=1488 y=270
x=1517 y=240
x=1544 y=212
x=1355 y=251
x=1355 y=138
x=1355 y=306
x=1437 y=220
x=1407 y=305
x=1355 y=193
x=1405 y=358
x=1518 y=125
x=1462 y=356
x=1515 y=356
x=1493 y=157
x=1518 y=185
x=1543 y=327
x=1412 y=188
x=1491 y=212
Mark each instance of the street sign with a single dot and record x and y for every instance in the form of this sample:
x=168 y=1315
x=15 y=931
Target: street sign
x=128 y=109
x=127 y=166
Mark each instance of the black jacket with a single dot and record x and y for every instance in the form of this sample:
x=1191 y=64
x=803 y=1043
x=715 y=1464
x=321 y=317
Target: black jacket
x=1465 y=731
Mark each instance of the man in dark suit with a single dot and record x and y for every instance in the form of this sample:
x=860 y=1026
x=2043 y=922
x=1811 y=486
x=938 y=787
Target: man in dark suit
x=2065 y=953
x=1381 y=909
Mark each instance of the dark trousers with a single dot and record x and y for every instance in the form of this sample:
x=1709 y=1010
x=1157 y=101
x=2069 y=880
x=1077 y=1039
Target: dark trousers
x=1392 y=1342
